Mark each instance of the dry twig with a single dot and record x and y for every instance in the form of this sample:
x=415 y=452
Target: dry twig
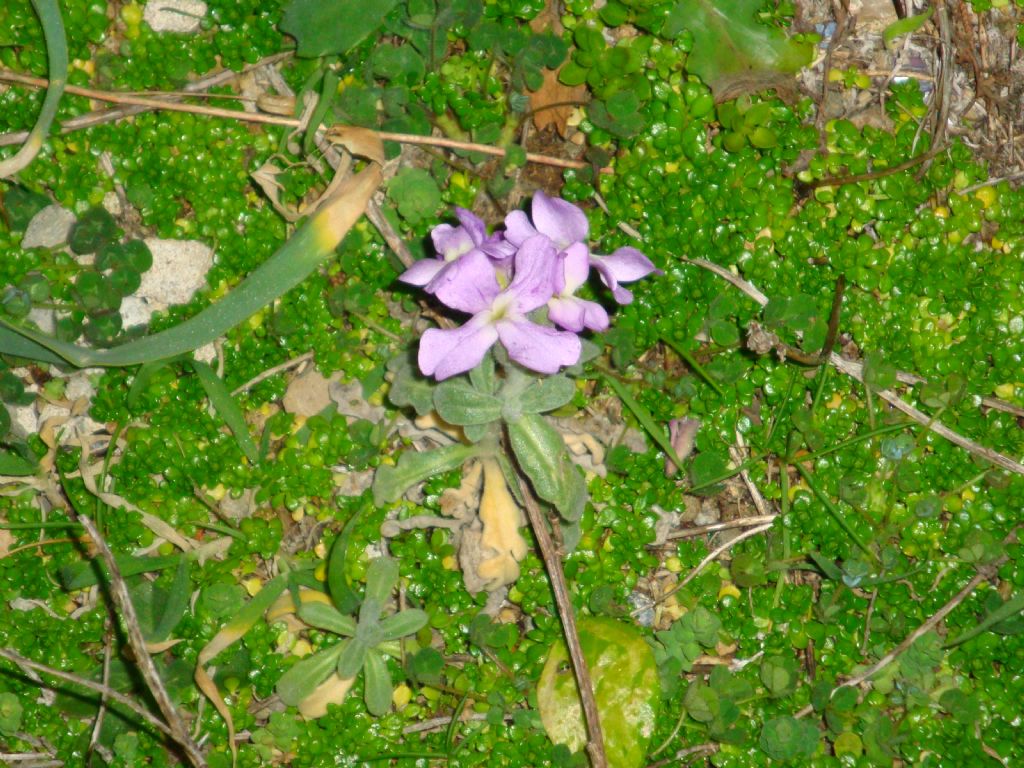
x=144 y=662
x=110 y=693
x=553 y=564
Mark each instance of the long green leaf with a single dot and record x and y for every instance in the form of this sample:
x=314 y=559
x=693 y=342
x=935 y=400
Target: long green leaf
x=224 y=403
x=905 y=26
x=646 y=420
x=391 y=482
x=302 y=679
x=82 y=575
x=177 y=602
x=310 y=246
x=344 y=597
x=541 y=454
x=328 y=618
x=13 y=465
x=378 y=684
x=57 y=66
x=403 y=623
x=1010 y=608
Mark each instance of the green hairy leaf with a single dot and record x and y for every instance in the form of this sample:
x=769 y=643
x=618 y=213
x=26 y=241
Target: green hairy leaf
x=391 y=482
x=730 y=44
x=406 y=622
x=303 y=678
x=458 y=402
x=542 y=455
x=327 y=618
x=547 y=395
x=324 y=27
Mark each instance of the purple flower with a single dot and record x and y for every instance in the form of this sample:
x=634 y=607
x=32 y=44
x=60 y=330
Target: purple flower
x=500 y=315
x=567 y=226
x=566 y=310
x=624 y=265
x=559 y=219
x=438 y=276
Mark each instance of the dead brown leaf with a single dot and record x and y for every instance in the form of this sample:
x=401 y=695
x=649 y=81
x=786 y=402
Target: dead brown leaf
x=548 y=103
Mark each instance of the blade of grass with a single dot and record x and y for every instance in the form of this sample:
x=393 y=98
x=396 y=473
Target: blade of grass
x=57 y=65
x=225 y=405
x=644 y=417
x=230 y=633
x=697 y=367
x=1010 y=608
x=834 y=511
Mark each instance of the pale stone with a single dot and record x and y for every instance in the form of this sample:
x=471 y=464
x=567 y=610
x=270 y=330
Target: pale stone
x=178 y=16
x=49 y=228
x=179 y=270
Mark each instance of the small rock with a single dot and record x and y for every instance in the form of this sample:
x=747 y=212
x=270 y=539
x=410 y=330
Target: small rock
x=44 y=319
x=80 y=384
x=24 y=420
x=179 y=16
x=137 y=311
x=49 y=228
x=179 y=270
x=206 y=353
x=112 y=203
x=308 y=393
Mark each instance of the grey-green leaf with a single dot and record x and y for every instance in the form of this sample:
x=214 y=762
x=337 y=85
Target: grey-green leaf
x=459 y=402
x=351 y=659
x=381 y=578
x=302 y=679
x=378 y=684
x=542 y=455
x=404 y=623
x=547 y=395
x=391 y=482
x=327 y=618
x=323 y=28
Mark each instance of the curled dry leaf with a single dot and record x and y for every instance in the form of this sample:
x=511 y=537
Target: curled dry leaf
x=552 y=91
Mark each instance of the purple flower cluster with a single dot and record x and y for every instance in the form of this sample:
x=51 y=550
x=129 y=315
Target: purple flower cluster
x=501 y=278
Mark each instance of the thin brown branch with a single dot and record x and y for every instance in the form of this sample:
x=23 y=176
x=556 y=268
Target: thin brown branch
x=553 y=564
x=739 y=522
x=144 y=662
x=710 y=748
x=194 y=89
x=982 y=575
x=710 y=558
x=856 y=370
x=110 y=693
x=264 y=119
x=287 y=365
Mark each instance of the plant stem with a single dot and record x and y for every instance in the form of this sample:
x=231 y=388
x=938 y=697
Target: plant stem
x=565 y=612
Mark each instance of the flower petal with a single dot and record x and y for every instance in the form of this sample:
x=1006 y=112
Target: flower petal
x=422 y=272
x=467 y=284
x=624 y=265
x=560 y=220
x=575 y=269
x=451 y=242
x=575 y=314
x=518 y=228
x=447 y=352
x=538 y=347
x=534 y=280
x=473 y=224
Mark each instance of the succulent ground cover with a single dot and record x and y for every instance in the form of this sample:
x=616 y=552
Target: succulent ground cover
x=425 y=349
